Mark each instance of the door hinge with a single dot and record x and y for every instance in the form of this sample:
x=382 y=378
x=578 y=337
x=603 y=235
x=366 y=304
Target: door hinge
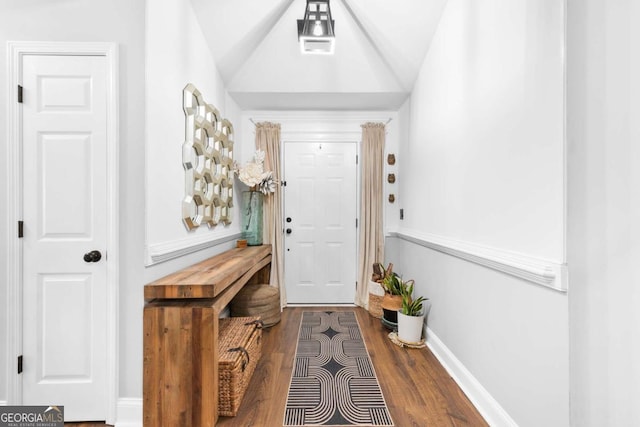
x=19 y=94
x=20 y=364
x=20 y=229
x=356 y=222
x=356 y=159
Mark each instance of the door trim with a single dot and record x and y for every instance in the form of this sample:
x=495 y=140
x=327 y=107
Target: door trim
x=338 y=138
x=16 y=51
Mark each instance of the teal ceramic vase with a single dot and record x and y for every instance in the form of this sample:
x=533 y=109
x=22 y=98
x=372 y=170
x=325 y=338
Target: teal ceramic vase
x=251 y=223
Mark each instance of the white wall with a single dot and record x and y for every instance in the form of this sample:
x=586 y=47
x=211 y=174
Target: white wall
x=119 y=21
x=487 y=127
x=510 y=335
x=603 y=92
x=483 y=166
x=481 y=162
x=339 y=126
x=176 y=54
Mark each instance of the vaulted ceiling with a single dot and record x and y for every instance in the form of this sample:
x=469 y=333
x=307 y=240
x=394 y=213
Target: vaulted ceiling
x=380 y=46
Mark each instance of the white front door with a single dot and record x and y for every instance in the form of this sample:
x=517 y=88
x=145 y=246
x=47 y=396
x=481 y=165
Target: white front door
x=320 y=222
x=65 y=217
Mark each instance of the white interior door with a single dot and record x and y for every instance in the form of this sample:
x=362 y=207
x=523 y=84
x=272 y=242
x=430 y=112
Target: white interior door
x=65 y=217
x=320 y=222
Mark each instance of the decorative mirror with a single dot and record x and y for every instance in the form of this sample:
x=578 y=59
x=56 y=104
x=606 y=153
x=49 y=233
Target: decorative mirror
x=207 y=158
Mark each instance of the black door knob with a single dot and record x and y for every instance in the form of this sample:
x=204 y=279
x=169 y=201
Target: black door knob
x=93 y=256
x=288 y=231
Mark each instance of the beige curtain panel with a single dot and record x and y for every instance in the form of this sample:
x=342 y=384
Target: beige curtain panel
x=268 y=140
x=371 y=203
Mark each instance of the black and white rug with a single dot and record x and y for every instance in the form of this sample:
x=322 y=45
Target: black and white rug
x=333 y=381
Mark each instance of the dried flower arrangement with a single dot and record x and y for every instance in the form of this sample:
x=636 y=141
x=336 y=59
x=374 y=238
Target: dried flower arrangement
x=253 y=174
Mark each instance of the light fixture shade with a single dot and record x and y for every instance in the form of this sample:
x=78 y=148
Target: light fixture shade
x=316 y=32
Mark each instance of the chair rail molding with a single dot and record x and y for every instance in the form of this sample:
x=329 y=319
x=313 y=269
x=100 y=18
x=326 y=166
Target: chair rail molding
x=161 y=252
x=550 y=274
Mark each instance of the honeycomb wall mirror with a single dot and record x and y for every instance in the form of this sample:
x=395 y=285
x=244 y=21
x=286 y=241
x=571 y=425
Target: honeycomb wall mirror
x=207 y=158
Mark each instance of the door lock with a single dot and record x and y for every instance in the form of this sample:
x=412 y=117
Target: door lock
x=289 y=231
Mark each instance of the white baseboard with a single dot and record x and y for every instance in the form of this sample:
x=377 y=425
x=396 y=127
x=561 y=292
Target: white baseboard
x=130 y=409
x=488 y=407
x=129 y=412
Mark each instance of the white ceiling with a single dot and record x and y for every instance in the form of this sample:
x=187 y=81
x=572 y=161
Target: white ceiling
x=380 y=46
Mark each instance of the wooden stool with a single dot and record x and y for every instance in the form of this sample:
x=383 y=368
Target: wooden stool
x=258 y=300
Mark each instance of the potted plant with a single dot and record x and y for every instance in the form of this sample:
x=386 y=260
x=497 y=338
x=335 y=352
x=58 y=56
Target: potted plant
x=411 y=317
x=394 y=287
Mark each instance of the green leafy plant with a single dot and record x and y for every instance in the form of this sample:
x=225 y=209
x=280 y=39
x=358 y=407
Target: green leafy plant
x=393 y=284
x=390 y=281
x=410 y=306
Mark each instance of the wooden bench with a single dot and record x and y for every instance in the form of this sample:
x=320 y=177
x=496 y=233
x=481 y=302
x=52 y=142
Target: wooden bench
x=180 y=367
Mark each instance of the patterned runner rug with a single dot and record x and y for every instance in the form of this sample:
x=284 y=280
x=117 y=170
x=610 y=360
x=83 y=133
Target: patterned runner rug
x=333 y=381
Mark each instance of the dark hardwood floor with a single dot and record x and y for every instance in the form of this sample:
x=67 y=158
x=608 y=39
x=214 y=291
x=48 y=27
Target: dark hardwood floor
x=417 y=389
x=87 y=424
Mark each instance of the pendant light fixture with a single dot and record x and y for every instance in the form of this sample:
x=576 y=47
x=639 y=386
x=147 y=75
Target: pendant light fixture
x=316 y=31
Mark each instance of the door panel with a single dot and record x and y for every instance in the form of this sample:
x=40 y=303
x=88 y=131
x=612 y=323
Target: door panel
x=65 y=203
x=63 y=213
x=320 y=199
x=64 y=305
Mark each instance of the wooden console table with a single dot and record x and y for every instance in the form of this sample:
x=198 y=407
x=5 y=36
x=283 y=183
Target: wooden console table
x=180 y=372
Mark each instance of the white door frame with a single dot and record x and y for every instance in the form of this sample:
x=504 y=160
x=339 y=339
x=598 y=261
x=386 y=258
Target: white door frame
x=16 y=51
x=338 y=138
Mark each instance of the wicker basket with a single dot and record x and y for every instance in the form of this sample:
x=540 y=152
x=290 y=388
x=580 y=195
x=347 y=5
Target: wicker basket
x=258 y=300
x=239 y=348
x=375 y=306
x=376 y=293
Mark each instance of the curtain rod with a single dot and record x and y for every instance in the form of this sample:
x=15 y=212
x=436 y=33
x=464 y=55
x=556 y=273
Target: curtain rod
x=255 y=124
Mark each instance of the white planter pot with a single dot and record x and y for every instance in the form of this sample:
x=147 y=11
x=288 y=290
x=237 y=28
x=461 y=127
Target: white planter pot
x=410 y=327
